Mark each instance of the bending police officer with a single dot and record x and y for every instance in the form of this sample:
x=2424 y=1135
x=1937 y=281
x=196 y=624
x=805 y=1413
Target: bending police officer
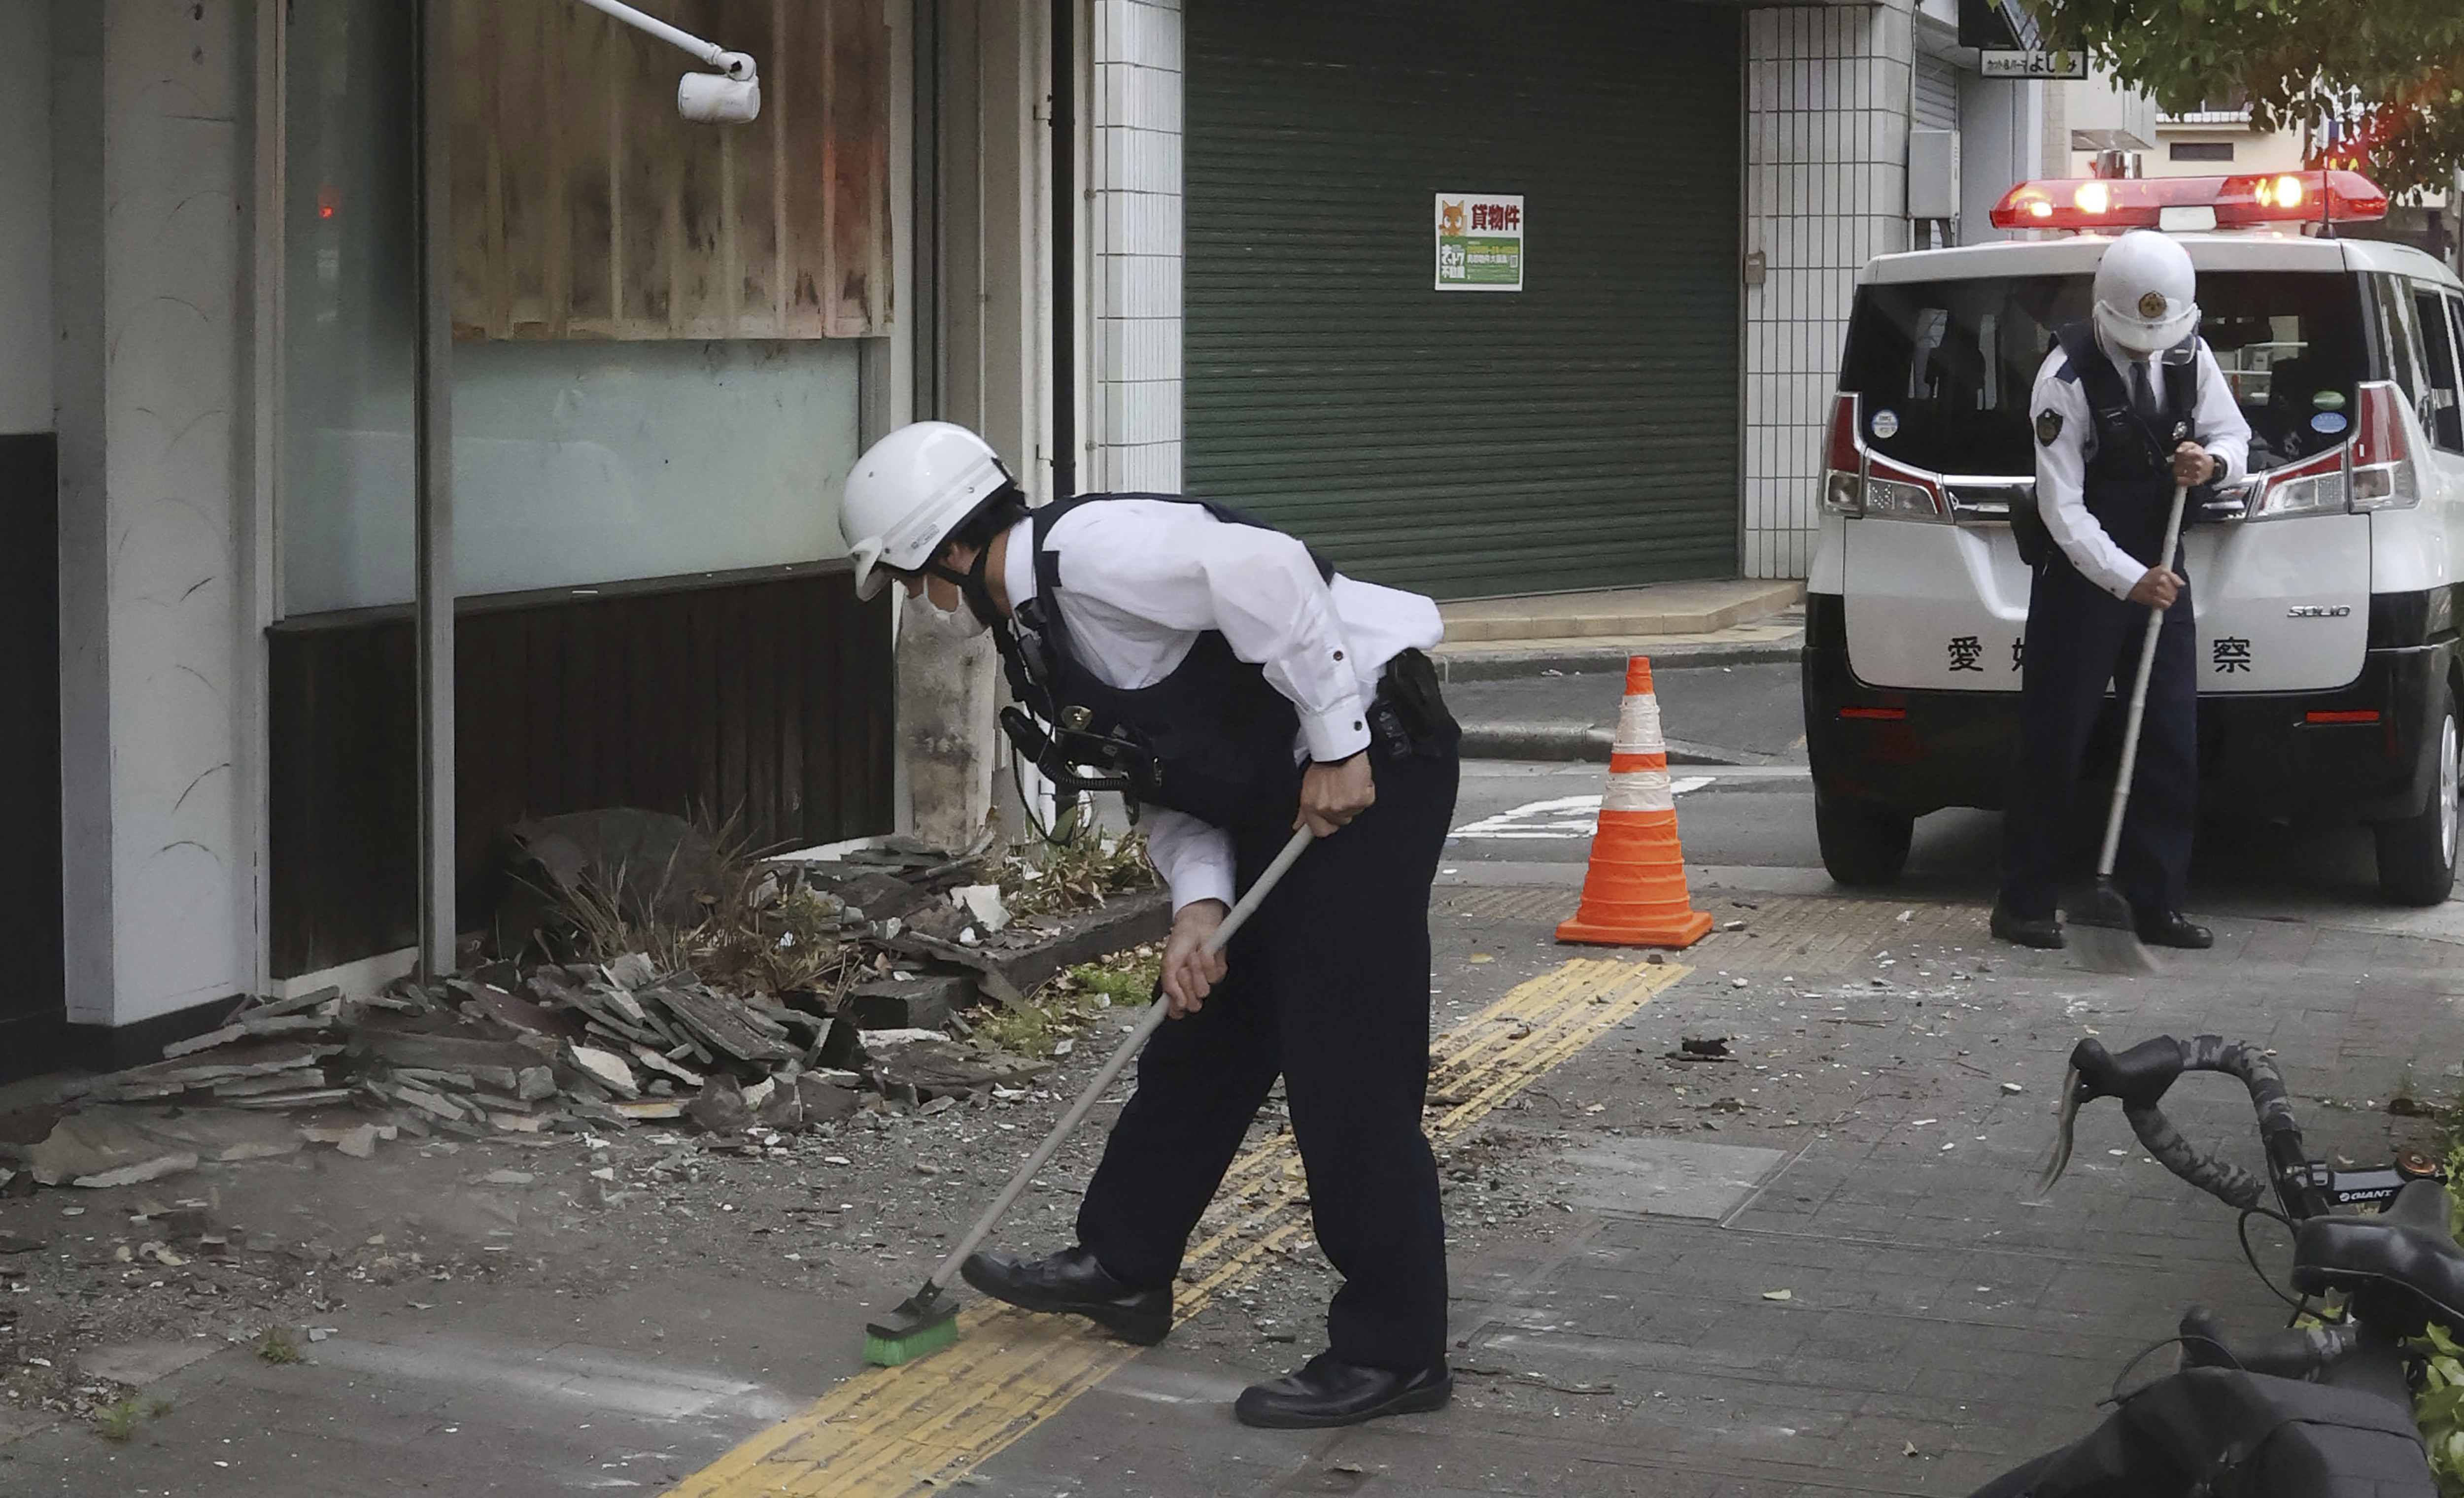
x=1215 y=671
x=2130 y=403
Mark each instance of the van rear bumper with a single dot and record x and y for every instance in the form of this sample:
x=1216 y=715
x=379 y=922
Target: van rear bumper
x=2259 y=755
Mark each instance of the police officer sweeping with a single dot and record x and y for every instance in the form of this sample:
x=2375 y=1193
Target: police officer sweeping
x=1235 y=689
x=2129 y=405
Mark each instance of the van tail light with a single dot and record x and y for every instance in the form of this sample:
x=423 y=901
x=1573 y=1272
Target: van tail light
x=2313 y=486
x=1893 y=492
x=1857 y=482
x=1843 y=474
x=2383 y=473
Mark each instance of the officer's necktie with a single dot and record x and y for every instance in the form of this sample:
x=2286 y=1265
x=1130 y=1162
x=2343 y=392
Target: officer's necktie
x=2143 y=391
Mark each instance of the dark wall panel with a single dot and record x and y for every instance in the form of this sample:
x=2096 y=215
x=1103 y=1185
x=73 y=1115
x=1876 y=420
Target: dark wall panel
x=765 y=697
x=32 y=1001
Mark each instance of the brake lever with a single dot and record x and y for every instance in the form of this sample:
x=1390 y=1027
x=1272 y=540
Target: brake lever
x=2066 y=1119
x=2139 y=1075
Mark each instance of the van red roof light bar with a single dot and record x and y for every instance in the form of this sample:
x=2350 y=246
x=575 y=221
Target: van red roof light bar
x=2240 y=201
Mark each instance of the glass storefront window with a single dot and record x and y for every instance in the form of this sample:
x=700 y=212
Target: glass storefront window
x=575 y=461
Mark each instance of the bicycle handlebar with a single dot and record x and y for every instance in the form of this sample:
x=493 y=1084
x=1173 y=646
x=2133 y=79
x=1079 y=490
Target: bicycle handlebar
x=2139 y=1078
x=2293 y=1353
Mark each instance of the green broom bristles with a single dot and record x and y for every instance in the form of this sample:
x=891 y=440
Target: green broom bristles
x=921 y=1324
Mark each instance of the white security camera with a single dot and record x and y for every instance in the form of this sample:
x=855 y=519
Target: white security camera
x=731 y=96
x=716 y=99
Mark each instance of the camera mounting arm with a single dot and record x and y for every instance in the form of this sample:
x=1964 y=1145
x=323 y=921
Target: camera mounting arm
x=732 y=96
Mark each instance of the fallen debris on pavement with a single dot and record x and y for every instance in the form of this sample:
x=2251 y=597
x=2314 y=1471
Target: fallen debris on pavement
x=770 y=995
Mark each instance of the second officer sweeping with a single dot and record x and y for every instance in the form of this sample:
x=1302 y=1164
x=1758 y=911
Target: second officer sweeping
x=1213 y=671
x=2130 y=403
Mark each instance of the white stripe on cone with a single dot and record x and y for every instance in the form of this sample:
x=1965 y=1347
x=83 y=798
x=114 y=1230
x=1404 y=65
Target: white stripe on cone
x=1639 y=790
x=1638 y=730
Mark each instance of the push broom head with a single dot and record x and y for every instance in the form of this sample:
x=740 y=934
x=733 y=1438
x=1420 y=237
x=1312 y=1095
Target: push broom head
x=924 y=1322
x=2104 y=933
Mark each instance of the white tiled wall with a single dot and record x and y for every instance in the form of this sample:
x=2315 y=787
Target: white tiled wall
x=1137 y=214
x=1826 y=186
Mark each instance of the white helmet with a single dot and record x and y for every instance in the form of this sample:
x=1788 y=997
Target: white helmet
x=909 y=491
x=2146 y=293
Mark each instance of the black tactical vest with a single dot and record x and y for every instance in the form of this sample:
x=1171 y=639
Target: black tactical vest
x=2128 y=486
x=1212 y=739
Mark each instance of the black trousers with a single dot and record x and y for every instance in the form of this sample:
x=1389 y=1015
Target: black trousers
x=2080 y=638
x=1328 y=985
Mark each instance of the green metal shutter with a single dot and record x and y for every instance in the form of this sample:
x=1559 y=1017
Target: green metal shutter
x=1582 y=432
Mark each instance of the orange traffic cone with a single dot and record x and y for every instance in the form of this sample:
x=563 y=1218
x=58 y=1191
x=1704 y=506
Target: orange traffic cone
x=1633 y=894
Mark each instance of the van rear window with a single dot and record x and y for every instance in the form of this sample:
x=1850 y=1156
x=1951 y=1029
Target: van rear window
x=1947 y=367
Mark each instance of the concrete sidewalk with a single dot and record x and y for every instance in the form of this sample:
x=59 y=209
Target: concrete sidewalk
x=1808 y=1270
x=1736 y=622
x=1660 y=609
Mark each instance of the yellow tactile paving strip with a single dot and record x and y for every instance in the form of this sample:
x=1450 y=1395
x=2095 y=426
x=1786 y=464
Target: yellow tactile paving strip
x=902 y=1431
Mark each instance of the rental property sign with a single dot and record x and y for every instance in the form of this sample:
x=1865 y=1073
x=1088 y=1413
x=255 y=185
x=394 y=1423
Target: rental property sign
x=1480 y=241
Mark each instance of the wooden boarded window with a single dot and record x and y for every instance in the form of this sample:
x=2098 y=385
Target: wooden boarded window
x=583 y=206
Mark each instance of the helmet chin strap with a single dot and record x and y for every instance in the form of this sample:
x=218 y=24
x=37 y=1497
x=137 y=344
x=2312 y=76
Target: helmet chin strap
x=971 y=587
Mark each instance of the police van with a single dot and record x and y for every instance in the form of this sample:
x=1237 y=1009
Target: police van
x=2324 y=588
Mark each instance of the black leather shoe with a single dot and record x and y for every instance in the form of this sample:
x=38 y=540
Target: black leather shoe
x=1330 y=1392
x=2043 y=931
x=2168 y=928
x=1071 y=1281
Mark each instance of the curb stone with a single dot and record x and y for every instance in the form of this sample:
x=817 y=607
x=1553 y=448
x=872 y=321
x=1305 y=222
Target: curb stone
x=1509 y=665
x=1580 y=743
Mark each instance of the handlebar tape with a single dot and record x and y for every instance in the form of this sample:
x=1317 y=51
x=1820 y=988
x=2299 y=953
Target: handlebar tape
x=2139 y=1077
x=2230 y=1184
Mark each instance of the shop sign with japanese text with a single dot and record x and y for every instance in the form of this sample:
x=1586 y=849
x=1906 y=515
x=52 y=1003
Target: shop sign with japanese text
x=1995 y=63
x=1480 y=242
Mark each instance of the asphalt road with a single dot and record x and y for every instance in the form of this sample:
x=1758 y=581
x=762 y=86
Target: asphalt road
x=1750 y=824
x=1749 y=714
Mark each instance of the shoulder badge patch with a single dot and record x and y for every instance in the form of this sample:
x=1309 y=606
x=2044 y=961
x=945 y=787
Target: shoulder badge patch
x=2048 y=426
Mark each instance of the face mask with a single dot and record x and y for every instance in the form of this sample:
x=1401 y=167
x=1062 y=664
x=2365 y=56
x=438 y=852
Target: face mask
x=980 y=612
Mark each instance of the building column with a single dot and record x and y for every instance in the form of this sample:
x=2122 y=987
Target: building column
x=1827 y=100
x=153 y=173
x=989 y=347
x=1136 y=115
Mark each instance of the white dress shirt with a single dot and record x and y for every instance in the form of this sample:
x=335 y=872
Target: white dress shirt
x=2061 y=465
x=1141 y=579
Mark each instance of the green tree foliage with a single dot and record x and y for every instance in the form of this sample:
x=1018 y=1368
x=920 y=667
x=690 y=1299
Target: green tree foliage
x=2393 y=69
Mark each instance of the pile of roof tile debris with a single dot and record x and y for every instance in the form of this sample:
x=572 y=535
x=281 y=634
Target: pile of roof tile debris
x=508 y=1048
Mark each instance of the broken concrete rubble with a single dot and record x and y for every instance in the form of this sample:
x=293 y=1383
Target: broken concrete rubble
x=510 y=1050
x=908 y=1001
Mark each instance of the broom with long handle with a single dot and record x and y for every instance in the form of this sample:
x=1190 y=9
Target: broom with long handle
x=928 y=1320
x=2105 y=930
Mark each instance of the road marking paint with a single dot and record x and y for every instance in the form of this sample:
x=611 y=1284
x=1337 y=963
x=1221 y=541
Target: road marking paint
x=1561 y=817
x=895 y=1432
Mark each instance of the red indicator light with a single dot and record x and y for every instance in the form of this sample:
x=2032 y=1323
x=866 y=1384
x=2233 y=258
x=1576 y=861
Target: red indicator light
x=2237 y=201
x=329 y=201
x=1883 y=714
x=2356 y=716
